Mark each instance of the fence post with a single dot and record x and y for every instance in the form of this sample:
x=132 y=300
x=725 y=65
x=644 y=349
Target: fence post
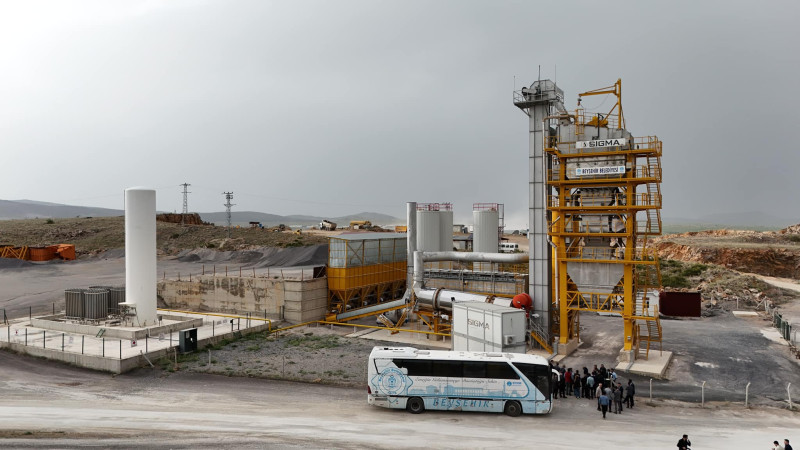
x=82 y=340
x=44 y=339
x=26 y=337
x=703 y=395
x=204 y=269
x=240 y=271
x=120 y=349
x=789 y=393
x=54 y=308
x=212 y=329
x=62 y=342
x=226 y=271
x=30 y=312
x=746 y=394
x=104 y=347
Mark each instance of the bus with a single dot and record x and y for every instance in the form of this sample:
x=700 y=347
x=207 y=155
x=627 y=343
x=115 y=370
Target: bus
x=419 y=380
x=508 y=247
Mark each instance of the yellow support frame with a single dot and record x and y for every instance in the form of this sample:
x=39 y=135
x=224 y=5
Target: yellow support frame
x=640 y=263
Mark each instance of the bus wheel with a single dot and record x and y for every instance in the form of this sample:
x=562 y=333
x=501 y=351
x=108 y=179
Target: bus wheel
x=415 y=405
x=513 y=408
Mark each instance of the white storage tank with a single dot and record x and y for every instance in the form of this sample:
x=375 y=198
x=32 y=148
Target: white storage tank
x=486 y=235
x=485 y=327
x=446 y=227
x=428 y=232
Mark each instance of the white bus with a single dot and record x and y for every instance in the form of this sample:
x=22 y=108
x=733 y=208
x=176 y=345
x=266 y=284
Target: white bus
x=508 y=247
x=405 y=377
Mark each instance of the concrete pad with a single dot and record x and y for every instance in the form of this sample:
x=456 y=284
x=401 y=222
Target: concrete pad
x=406 y=338
x=745 y=313
x=116 y=355
x=655 y=366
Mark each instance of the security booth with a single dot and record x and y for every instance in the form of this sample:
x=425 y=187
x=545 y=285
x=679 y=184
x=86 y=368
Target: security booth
x=187 y=341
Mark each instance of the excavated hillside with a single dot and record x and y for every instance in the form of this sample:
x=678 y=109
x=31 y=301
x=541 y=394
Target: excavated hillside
x=92 y=236
x=769 y=253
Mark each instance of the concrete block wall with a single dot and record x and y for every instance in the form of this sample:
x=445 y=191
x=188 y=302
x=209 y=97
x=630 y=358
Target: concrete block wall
x=305 y=300
x=295 y=300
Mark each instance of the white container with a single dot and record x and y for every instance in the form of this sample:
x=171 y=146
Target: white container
x=485 y=327
x=428 y=232
x=446 y=231
x=486 y=237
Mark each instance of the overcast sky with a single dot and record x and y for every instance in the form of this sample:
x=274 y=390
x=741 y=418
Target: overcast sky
x=336 y=107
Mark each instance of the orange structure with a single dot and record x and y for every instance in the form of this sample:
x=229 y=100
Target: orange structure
x=39 y=254
x=365 y=269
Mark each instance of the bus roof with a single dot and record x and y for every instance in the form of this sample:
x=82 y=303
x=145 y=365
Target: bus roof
x=411 y=352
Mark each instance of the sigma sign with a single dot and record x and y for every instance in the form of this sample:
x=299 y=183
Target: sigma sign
x=601 y=143
x=478 y=323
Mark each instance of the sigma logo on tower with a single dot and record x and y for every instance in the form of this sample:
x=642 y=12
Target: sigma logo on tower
x=478 y=323
x=601 y=143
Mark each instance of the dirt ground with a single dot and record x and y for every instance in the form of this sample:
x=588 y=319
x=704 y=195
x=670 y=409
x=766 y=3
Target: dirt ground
x=56 y=406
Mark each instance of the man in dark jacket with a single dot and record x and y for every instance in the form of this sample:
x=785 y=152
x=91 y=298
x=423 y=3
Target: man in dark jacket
x=786 y=445
x=629 y=393
x=684 y=443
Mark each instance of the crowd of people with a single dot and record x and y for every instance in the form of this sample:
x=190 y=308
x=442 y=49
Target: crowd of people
x=599 y=383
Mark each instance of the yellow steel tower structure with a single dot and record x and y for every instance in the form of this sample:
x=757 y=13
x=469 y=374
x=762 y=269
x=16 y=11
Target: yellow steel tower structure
x=603 y=202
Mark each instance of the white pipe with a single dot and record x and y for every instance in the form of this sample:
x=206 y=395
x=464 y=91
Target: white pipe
x=140 y=253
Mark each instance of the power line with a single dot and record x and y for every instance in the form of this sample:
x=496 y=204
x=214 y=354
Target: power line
x=185 y=202
x=228 y=204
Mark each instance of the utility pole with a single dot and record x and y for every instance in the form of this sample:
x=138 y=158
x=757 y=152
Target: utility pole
x=185 y=202
x=228 y=204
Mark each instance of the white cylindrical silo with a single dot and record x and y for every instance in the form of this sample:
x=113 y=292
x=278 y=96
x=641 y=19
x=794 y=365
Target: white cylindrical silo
x=428 y=231
x=446 y=230
x=486 y=235
x=140 y=253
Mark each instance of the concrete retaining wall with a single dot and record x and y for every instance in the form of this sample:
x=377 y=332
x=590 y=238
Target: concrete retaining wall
x=54 y=323
x=295 y=300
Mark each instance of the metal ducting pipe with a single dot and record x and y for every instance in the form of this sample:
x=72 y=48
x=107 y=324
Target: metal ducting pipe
x=442 y=298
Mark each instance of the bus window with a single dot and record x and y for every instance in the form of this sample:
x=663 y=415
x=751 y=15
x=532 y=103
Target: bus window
x=451 y=369
x=416 y=368
x=538 y=375
x=500 y=370
x=474 y=369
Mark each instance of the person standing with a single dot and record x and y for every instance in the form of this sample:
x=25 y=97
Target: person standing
x=590 y=387
x=684 y=442
x=603 y=401
x=630 y=392
x=776 y=446
x=598 y=392
x=786 y=445
x=618 y=399
x=576 y=383
x=568 y=381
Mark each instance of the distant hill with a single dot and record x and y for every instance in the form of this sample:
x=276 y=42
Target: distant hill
x=244 y=217
x=30 y=209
